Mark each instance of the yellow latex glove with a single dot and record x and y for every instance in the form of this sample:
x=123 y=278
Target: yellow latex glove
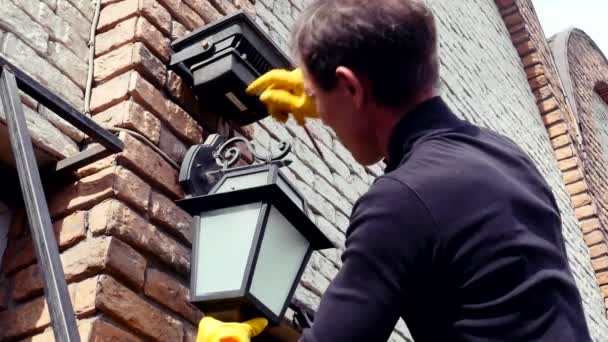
x=282 y=91
x=213 y=330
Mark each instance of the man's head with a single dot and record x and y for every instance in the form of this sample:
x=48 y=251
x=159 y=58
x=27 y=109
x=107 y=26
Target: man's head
x=362 y=58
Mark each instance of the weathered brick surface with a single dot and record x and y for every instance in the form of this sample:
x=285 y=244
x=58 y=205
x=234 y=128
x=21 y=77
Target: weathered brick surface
x=171 y=145
x=14 y=19
x=79 y=23
x=497 y=95
x=127 y=307
x=133 y=56
x=85 y=259
x=149 y=165
x=130 y=30
x=114 y=218
x=183 y=13
x=68 y=231
x=166 y=213
x=131 y=115
x=166 y=290
x=26 y=58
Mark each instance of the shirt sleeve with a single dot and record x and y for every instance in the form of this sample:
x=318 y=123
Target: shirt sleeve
x=389 y=235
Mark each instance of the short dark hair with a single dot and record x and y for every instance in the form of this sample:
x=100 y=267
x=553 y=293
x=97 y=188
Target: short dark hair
x=391 y=43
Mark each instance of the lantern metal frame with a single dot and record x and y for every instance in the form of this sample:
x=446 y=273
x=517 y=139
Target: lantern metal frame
x=271 y=194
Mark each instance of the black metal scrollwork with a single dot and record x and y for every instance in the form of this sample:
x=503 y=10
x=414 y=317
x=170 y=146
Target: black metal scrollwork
x=227 y=155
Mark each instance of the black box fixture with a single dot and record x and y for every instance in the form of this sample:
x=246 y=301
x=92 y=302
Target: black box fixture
x=221 y=59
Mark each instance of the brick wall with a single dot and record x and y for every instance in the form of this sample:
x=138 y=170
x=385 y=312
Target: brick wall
x=48 y=40
x=483 y=79
x=126 y=245
x=586 y=69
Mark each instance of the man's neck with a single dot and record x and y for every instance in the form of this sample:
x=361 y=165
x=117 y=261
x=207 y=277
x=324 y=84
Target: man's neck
x=388 y=118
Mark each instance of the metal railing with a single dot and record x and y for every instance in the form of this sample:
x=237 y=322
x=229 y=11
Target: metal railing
x=12 y=79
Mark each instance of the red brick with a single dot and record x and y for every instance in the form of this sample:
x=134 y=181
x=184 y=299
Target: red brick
x=190 y=333
x=600 y=263
x=156 y=14
x=580 y=200
x=182 y=124
x=83 y=193
x=170 y=293
x=114 y=218
x=505 y=3
x=532 y=59
x=525 y=48
x=127 y=307
x=572 y=176
x=184 y=14
x=68 y=231
x=103 y=331
x=557 y=130
x=543 y=93
x=561 y=141
x=172 y=146
x=204 y=9
x=25 y=318
x=590 y=225
x=535 y=70
x=224 y=6
x=538 y=82
x=165 y=212
x=83 y=296
x=181 y=92
x=78 y=262
x=150 y=165
x=576 y=188
x=246 y=6
x=594 y=238
x=124 y=262
x=113 y=14
x=550 y=108
x=564 y=152
x=132 y=56
x=132 y=189
x=130 y=115
x=97 y=166
x=568 y=164
x=602 y=278
x=110 y=93
x=131 y=30
x=598 y=251
x=584 y=212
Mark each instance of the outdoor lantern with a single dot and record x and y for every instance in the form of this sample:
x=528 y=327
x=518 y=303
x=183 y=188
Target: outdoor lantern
x=219 y=60
x=252 y=234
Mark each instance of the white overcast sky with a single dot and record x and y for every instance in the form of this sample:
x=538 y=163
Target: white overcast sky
x=587 y=15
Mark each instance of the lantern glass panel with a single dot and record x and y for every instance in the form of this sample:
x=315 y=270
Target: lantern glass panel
x=281 y=255
x=224 y=243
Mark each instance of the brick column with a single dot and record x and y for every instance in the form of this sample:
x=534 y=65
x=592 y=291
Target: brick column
x=125 y=244
x=561 y=124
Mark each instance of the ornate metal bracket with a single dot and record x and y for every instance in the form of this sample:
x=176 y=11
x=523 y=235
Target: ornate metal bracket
x=205 y=164
x=226 y=156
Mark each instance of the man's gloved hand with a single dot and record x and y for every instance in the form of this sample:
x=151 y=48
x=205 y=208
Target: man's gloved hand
x=282 y=91
x=213 y=330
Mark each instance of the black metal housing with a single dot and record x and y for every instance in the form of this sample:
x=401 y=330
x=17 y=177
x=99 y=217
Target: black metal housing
x=271 y=195
x=221 y=59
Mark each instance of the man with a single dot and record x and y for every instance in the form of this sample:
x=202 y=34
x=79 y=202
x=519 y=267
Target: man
x=461 y=237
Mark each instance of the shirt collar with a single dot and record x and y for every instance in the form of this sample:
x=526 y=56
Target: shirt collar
x=430 y=115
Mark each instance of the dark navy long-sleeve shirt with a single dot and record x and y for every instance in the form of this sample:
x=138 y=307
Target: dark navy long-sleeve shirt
x=461 y=237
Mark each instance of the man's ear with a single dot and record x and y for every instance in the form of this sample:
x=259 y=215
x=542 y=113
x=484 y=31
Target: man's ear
x=352 y=83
